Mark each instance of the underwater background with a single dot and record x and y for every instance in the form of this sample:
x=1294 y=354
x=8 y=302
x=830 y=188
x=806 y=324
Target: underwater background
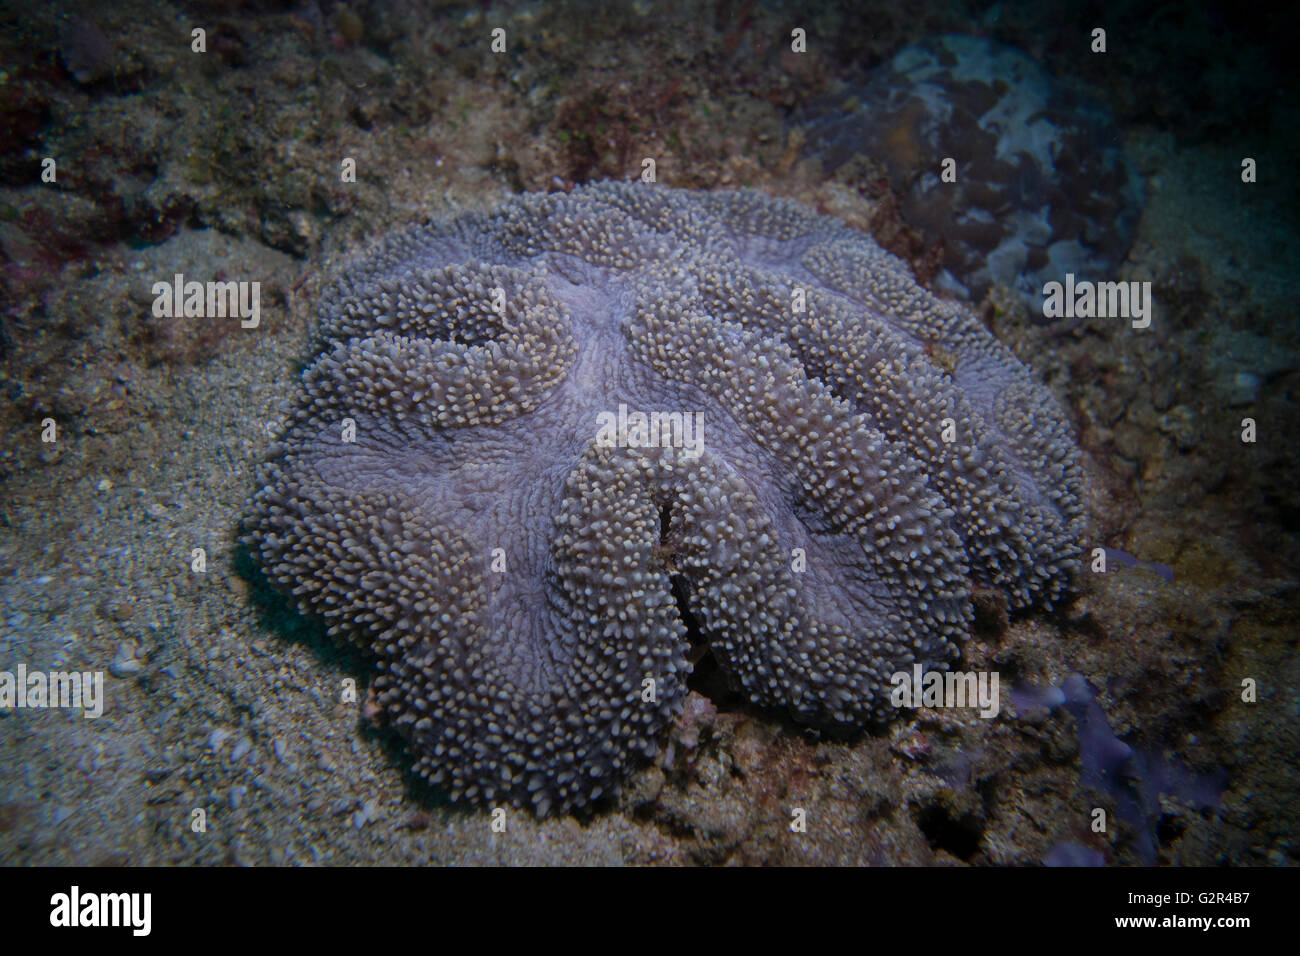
x=1162 y=689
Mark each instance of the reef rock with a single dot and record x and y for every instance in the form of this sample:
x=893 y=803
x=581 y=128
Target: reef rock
x=1042 y=185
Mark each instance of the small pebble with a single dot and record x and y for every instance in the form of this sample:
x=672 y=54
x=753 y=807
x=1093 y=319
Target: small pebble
x=125 y=662
x=121 y=612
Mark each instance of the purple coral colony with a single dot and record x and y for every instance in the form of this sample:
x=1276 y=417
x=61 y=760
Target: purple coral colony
x=446 y=497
